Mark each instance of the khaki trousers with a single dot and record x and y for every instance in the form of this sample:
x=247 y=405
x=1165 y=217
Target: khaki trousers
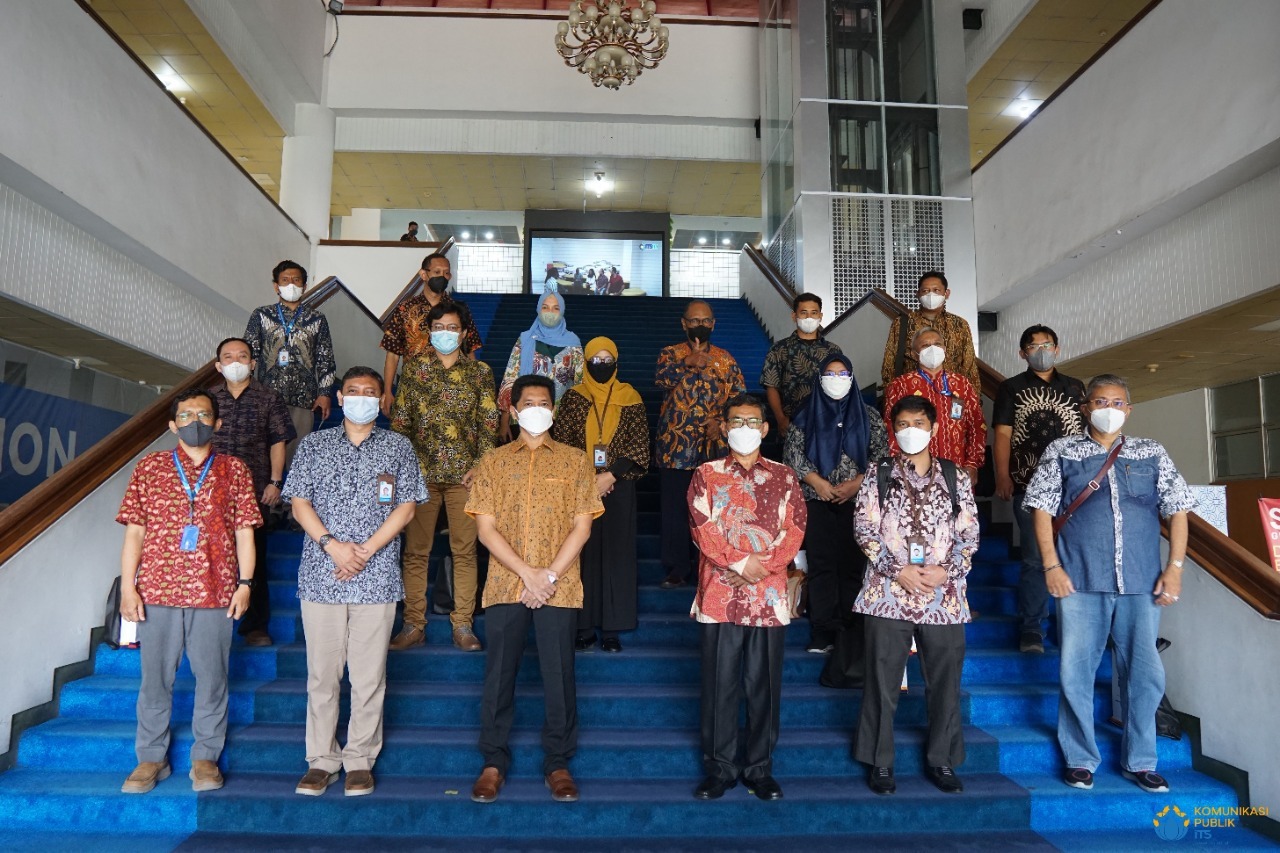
x=420 y=535
x=303 y=421
x=353 y=636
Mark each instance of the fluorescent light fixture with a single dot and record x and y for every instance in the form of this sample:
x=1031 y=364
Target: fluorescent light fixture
x=1022 y=108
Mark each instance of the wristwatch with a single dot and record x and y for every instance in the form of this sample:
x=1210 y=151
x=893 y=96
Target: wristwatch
x=1177 y=563
x=279 y=484
x=325 y=540
x=245 y=582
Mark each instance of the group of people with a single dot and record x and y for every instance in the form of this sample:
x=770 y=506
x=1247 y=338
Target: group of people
x=542 y=470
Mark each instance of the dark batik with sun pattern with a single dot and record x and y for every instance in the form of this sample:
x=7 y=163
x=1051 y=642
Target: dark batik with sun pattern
x=1040 y=413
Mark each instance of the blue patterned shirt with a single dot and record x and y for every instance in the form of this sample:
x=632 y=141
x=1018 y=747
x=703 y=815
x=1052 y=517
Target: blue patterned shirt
x=340 y=480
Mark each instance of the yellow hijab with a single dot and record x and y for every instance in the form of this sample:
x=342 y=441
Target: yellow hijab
x=607 y=398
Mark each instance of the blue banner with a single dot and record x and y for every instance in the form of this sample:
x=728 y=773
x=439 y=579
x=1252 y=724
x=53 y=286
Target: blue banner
x=41 y=433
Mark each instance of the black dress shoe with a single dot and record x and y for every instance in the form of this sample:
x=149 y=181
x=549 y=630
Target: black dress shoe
x=713 y=788
x=584 y=644
x=945 y=778
x=610 y=644
x=765 y=788
x=880 y=780
x=671 y=582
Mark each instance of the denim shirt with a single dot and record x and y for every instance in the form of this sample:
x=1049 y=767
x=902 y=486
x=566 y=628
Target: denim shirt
x=1112 y=542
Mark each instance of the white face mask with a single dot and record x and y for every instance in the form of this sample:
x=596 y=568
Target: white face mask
x=744 y=440
x=932 y=301
x=808 y=325
x=236 y=371
x=360 y=409
x=290 y=292
x=535 y=420
x=836 y=387
x=912 y=439
x=1107 y=421
x=932 y=357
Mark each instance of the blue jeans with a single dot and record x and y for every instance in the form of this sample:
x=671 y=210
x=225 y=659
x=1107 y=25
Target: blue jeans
x=1084 y=621
x=1033 y=595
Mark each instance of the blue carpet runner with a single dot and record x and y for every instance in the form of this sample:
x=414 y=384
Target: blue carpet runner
x=638 y=759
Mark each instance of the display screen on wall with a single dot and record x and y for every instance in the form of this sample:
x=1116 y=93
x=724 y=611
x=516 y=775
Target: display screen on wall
x=597 y=263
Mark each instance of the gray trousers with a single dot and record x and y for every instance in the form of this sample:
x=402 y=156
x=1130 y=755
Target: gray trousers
x=204 y=633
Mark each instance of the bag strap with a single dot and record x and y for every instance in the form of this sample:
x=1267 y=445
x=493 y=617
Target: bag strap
x=900 y=359
x=949 y=475
x=1096 y=483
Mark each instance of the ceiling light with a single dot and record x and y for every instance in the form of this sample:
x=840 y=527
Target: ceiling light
x=702 y=241
x=726 y=241
x=601 y=186
x=1022 y=108
x=173 y=82
x=488 y=235
x=612 y=42
x=466 y=235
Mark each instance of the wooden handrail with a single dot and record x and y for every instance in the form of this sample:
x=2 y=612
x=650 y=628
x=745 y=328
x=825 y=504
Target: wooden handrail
x=876 y=298
x=413 y=288
x=328 y=288
x=1235 y=567
x=771 y=275
x=386 y=244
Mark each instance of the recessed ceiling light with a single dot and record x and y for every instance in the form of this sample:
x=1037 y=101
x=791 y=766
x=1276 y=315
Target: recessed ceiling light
x=702 y=241
x=726 y=241
x=1021 y=108
x=173 y=82
x=466 y=235
x=488 y=235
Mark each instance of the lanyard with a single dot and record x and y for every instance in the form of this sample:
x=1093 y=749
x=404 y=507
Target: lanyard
x=600 y=413
x=946 y=386
x=192 y=493
x=288 y=326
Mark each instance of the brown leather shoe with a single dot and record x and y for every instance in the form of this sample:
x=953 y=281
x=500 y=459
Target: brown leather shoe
x=563 y=789
x=485 y=790
x=465 y=639
x=257 y=638
x=359 y=783
x=315 y=782
x=408 y=637
x=145 y=776
x=205 y=775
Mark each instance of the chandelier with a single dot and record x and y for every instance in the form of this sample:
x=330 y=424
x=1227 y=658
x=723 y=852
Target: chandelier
x=612 y=42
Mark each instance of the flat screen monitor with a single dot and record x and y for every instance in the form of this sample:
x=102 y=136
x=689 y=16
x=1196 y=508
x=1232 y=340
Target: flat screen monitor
x=597 y=263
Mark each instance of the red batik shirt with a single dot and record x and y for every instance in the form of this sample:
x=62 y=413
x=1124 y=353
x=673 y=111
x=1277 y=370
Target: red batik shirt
x=155 y=499
x=963 y=440
x=736 y=512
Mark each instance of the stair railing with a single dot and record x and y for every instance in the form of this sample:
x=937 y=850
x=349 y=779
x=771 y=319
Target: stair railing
x=1235 y=567
x=415 y=284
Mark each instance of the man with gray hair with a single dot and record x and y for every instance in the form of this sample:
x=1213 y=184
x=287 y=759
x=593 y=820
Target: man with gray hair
x=1102 y=562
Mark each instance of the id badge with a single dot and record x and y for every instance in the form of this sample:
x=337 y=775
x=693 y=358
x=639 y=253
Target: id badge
x=386 y=489
x=957 y=410
x=915 y=550
x=282 y=358
x=600 y=456
x=190 y=538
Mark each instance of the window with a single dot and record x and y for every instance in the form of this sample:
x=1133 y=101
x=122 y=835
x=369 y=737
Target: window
x=1246 y=429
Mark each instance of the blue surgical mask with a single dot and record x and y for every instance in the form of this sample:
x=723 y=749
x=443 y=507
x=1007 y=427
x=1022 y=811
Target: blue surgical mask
x=444 y=342
x=360 y=410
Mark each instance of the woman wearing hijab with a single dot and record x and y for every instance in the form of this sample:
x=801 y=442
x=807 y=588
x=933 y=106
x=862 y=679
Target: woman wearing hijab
x=606 y=419
x=547 y=349
x=830 y=444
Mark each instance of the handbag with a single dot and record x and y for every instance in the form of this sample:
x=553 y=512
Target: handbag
x=1096 y=483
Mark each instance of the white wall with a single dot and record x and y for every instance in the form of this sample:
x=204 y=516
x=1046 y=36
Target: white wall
x=770 y=307
x=705 y=273
x=1181 y=423
x=1222 y=668
x=373 y=274
x=55 y=591
x=1183 y=108
x=90 y=135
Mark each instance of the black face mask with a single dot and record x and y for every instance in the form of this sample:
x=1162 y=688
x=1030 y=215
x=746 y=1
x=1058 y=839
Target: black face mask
x=602 y=372
x=195 y=434
x=438 y=284
x=700 y=334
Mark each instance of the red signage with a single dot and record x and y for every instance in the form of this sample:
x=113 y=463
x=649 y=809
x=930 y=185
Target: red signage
x=1270 y=509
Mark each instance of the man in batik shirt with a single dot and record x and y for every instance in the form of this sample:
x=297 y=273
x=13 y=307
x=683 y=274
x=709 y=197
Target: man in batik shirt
x=748 y=518
x=696 y=379
x=293 y=351
x=919 y=533
x=794 y=362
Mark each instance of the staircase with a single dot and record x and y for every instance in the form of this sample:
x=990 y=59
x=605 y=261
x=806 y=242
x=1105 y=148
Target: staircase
x=638 y=757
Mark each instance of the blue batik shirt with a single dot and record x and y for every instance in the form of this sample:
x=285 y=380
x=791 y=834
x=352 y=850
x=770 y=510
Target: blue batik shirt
x=1112 y=543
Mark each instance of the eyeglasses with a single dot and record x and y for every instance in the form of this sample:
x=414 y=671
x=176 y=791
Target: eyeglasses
x=1029 y=348
x=700 y=321
x=754 y=423
x=440 y=327
x=844 y=373
x=602 y=359
x=186 y=417
x=1100 y=403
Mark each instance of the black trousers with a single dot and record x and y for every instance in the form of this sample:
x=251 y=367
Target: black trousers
x=506 y=628
x=677 y=541
x=836 y=566
x=734 y=658
x=608 y=563
x=258 y=615
x=941 y=651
